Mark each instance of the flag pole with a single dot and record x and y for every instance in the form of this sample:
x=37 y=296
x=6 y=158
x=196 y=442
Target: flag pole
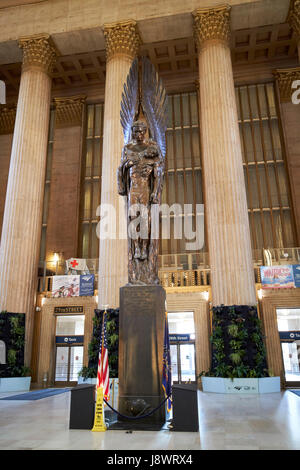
x=99 y=421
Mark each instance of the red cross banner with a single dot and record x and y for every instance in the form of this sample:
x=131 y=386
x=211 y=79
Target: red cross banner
x=77 y=264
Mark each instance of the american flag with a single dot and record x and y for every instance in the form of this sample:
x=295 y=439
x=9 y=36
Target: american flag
x=103 y=368
x=167 y=377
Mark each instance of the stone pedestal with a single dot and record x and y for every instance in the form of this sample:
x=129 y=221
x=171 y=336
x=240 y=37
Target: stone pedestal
x=141 y=341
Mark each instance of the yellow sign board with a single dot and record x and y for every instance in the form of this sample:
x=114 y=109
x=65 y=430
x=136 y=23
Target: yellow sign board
x=99 y=423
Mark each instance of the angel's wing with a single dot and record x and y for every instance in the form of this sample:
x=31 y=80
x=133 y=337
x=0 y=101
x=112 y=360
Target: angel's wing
x=130 y=98
x=154 y=103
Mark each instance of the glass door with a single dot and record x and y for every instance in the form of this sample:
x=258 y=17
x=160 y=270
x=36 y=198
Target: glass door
x=182 y=346
x=62 y=364
x=69 y=361
x=290 y=351
x=174 y=362
x=76 y=362
x=288 y=320
x=69 y=348
x=187 y=362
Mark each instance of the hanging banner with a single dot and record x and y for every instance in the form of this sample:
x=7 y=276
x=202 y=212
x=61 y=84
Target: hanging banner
x=77 y=264
x=277 y=277
x=296 y=272
x=73 y=286
x=87 y=285
x=65 y=286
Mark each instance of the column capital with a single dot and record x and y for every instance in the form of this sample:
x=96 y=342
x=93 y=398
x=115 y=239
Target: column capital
x=294 y=16
x=285 y=78
x=212 y=23
x=121 y=38
x=69 y=110
x=7 y=118
x=39 y=51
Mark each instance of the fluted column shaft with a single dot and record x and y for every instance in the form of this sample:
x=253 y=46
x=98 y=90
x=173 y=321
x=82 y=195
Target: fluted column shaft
x=232 y=274
x=122 y=42
x=22 y=221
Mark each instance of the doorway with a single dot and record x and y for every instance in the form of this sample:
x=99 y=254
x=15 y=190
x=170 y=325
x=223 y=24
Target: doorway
x=288 y=320
x=69 y=349
x=68 y=362
x=182 y=346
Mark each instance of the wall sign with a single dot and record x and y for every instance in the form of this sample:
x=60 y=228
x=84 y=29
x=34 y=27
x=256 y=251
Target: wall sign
x=296 y=271
x=277 y=277
x=73 y=309
x=290 y=335
x=179 y=337
x=73 y=286
x=72 y=339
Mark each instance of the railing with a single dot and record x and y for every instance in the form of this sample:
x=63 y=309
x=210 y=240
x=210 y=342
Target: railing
x=168 y=278
x=177 y=270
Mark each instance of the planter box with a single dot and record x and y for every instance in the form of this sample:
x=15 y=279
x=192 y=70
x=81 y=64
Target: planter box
x=15 y=384
x=241 y=386
x=81 y=381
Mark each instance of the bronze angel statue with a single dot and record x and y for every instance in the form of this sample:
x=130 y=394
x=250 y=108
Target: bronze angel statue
x=141 y=171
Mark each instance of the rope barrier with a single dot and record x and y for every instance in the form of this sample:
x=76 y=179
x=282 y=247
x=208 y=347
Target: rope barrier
x=138 y=417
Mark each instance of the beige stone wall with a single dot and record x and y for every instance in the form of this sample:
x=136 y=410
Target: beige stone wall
x=5 y=150
x=194 y=302
x=75 y=24
x=63 y=214
x=287 y=298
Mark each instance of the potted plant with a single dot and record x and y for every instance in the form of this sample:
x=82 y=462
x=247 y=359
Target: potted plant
x=14 y=375
x=238 y=354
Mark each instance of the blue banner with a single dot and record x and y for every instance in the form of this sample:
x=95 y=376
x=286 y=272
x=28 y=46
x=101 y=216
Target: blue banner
x=179 y=337
x=72 y=339
x=276 y=277
x=290 y=335
x=296 y=272
x=87 y=285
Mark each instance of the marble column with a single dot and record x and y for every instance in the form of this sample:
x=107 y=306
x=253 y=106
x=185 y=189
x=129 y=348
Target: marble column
x=290 y=118
x=294 y=20
x=122 y=43
x=226 y=212
x=21 y=229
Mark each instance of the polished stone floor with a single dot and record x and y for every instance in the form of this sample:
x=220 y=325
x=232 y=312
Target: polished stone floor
x=227 y=422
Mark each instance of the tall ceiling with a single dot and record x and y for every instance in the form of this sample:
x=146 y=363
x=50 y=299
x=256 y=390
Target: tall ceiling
x=174 y=59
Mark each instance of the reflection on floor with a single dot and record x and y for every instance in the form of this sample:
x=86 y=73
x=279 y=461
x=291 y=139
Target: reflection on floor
x=269 y=421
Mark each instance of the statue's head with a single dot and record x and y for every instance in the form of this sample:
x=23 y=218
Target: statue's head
x=138 y=130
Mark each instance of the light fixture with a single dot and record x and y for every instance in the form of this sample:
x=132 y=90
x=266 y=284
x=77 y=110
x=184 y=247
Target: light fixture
x=55 y=257
x=260 y=294
x=205 y=295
